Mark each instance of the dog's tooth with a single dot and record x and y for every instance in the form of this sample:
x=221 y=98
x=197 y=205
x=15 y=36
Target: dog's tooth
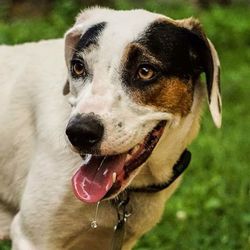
x=135 y=149
x=129 y=156
x=87 y=158
x=114 y=177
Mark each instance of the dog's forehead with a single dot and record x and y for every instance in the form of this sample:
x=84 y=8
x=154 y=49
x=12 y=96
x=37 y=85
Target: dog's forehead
x=118 y=28
x=131 y=21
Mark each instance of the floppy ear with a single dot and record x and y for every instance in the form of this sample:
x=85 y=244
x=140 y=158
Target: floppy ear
x=73 y=35
x=209 y=63
x=215 y=104
x=71 y=38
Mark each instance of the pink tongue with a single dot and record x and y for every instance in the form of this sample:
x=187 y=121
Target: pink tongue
x=94 y=179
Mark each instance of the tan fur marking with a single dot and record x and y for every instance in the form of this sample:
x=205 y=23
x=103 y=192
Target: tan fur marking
x=168 y=94
x=192 y=24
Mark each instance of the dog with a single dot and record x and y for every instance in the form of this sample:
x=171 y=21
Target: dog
x=92 y=126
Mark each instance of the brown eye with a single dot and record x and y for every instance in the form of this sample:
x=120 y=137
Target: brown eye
x=145 y=73
x=78 y=68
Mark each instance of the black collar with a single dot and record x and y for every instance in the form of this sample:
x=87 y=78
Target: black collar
x=178 y=169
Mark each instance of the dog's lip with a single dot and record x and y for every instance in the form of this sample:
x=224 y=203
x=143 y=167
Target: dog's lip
x=137 y=158
x=103 y=177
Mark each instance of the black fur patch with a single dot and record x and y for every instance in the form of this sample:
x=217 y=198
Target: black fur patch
x=175 y=47
x=170 y=45
x=90 y=37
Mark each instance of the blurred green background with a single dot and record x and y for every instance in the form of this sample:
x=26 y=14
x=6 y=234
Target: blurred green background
x=211 y=209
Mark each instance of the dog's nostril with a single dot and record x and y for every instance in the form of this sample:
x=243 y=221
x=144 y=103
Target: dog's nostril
x=85 y=132
x=91 y=138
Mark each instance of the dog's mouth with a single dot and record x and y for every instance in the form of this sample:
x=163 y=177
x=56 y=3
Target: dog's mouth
x=102 y=177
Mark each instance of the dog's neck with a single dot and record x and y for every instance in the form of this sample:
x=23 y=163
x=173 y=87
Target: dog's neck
x=174 y=141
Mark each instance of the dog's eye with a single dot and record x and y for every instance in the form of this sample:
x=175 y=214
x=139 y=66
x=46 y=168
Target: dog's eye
x=78 y=68
x=146 y=73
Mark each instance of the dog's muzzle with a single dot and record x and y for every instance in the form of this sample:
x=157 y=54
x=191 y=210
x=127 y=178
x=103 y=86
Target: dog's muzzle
x=105 y=176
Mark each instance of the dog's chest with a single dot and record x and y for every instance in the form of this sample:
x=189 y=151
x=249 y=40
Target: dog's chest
x=145 y=210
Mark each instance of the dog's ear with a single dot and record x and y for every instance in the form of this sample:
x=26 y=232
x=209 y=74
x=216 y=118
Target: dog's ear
x=71 y=38
x=207 y=61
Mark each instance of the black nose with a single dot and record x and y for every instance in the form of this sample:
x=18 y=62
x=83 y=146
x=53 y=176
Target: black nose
x=85 y=131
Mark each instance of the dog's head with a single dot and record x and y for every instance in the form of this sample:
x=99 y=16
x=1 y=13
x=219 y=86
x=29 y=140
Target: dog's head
x=130 y=74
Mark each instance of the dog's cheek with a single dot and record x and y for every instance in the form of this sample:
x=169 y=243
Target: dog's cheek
x=171 y=95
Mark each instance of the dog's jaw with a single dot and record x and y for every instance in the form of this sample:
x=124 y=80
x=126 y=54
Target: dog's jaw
x=105 y=176
x=177 y=136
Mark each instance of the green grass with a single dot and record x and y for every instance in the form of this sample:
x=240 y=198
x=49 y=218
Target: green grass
x=215 y=194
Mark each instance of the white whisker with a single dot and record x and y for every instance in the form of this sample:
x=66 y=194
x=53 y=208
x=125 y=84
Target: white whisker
x=102 y=162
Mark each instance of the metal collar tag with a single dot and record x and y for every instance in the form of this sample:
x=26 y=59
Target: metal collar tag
x=120 y=204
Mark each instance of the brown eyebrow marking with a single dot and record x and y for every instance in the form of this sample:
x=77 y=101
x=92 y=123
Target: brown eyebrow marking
x=167 y=94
